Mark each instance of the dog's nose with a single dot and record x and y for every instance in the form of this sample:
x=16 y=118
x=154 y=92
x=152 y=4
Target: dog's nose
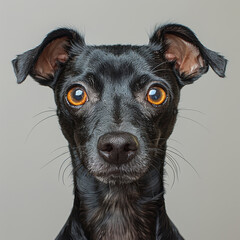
x=117 y=147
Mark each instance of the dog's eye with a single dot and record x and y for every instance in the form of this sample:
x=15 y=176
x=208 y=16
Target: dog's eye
x=156 y=95
x=77 y=96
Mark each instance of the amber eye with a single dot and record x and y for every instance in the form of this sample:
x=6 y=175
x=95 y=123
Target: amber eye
x=156 y=95
x=77 y=96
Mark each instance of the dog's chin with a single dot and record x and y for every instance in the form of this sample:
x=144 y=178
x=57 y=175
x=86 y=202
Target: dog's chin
x=118 y=176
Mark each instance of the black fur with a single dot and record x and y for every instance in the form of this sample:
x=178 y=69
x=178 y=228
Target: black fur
x=123 y=201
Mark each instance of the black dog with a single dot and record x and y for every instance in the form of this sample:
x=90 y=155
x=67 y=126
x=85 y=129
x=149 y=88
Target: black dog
x=117 y=106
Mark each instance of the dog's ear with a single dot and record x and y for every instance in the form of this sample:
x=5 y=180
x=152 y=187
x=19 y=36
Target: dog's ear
x=189 y=57
x=44 y=62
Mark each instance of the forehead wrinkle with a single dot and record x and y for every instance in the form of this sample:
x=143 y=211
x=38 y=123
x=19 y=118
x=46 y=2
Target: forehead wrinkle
x=116 y=109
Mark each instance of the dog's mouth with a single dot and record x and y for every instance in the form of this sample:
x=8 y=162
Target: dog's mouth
x=116 y=177
x=118 y=174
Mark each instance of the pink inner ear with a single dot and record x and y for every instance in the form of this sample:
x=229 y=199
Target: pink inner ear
x=187 y=56
x=47 y=62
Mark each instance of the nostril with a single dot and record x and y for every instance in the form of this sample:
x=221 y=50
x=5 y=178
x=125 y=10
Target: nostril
x=130 y=147
x=107 y=148
x=127 y=148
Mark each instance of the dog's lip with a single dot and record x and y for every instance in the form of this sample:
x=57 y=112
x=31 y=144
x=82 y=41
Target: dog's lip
x=117 y=173
x=110 y=172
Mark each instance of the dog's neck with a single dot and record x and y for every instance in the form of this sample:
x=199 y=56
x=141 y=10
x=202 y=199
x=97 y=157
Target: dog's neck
x=120 y=214
x=132 y=211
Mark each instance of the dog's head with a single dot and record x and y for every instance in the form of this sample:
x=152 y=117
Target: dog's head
x=117 y=105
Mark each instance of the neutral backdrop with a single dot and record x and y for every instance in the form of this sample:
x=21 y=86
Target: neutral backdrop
x=36 y=199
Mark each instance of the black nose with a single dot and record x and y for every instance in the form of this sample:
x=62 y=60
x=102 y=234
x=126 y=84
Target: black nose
x=117 y=147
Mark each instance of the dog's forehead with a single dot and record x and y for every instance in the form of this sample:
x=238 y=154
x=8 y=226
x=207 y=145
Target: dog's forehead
x=116 y=59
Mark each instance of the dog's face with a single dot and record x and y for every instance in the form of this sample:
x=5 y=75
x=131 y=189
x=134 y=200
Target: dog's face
x=115 y=110
x=117 y=105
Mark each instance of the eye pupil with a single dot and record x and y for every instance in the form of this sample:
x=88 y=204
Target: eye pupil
x=78 y=94
x=154 y=94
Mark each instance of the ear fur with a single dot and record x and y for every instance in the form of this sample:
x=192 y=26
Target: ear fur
x=44 y=61
x=190 y=58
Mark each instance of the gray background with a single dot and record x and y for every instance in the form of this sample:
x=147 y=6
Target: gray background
x=34 y=204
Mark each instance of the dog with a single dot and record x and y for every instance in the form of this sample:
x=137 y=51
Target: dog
x=117 y=106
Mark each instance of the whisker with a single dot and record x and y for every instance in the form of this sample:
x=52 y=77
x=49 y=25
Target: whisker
x=59 y=172
x=174 y=163
x=175 y=150
x=170 y=139
x=54 y=115
x=192 y=120
x=46 y=111
x=174 y=177
x=174 y=140
x=54 y=159
x=186 y=162
x=160 y=64
x=59 y=148
x=51 y=108
x=193 y=110
x=64 y=172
